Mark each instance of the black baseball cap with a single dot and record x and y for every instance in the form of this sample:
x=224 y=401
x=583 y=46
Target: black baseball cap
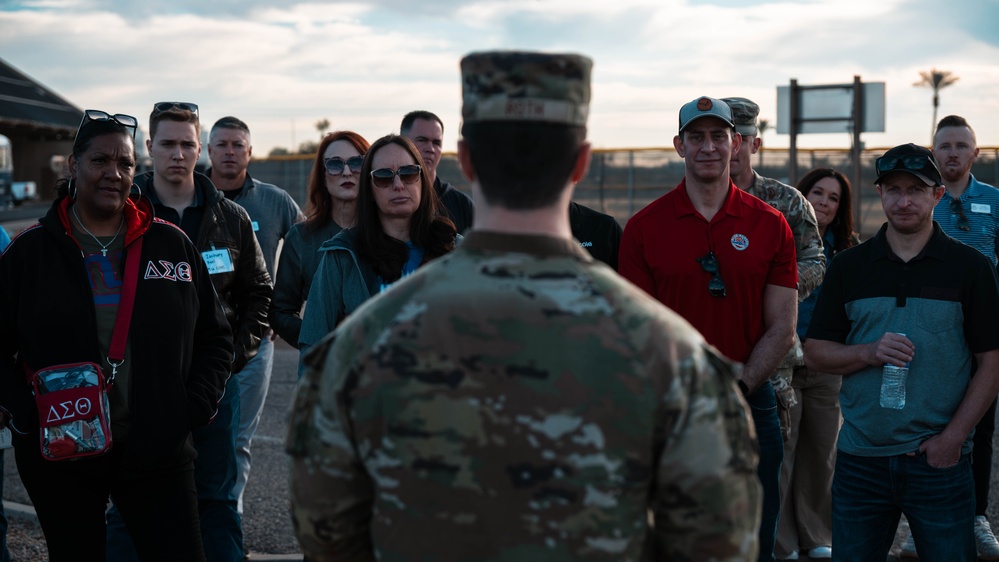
x=911 y=159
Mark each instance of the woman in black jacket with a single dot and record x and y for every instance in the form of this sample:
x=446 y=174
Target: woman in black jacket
x=61 y=282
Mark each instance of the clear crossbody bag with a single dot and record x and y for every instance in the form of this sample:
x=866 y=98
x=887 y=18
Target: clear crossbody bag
x=73 y=412
x=74 y=417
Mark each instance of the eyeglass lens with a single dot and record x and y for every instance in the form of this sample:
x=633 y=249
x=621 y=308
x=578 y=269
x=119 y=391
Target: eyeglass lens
x=168 y=105
x=383 y=177
x=126 y=121
x=336 y=164
x=716 y=286
x=914 y=163
x=962 y=219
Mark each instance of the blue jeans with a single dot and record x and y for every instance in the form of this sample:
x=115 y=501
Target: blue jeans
x=215 y=478
x=254 y=380
x=871 y=493
x=763 y=407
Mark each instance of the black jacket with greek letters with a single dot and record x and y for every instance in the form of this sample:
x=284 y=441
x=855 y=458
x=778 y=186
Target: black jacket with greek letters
x=180 y=340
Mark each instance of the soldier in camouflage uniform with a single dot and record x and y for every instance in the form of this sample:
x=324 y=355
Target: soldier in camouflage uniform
x=517 y=400
x=800 y=217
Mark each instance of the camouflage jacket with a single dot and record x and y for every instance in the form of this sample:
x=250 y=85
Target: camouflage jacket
x=516 y=400
x=801 y=218
x=808 y=247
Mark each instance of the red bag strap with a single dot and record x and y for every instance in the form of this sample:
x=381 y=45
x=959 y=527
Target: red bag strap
x=126 y=302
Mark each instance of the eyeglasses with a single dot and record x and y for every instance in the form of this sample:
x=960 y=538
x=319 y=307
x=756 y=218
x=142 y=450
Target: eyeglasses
x=335 y=165
x=127 y=121
x=383 y=177
x=168 y=105
x=716 y=286
x=886 y=164
x=962 y=219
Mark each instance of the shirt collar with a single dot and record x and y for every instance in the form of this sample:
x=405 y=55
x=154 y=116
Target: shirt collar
x=733 y=205
x=199 y=196
x=975 y=189
x=935 y=248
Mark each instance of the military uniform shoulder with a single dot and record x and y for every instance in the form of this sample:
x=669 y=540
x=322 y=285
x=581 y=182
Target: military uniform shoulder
x=759 y=204
x=777 y=190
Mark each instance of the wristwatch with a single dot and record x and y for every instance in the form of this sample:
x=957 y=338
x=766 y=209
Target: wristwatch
x=744 y=389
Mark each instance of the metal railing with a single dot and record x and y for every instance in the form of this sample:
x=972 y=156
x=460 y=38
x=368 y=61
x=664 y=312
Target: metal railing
x=621 y=182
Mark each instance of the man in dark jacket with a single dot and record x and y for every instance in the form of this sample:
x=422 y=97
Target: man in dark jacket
x=222 y=232
x=598 y=232
x=426 y=130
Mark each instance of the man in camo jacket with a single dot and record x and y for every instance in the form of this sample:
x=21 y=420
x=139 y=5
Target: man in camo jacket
x=516 y=399
x=800 y=217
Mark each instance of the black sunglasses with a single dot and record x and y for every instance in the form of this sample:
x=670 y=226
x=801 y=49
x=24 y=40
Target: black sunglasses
x=335 y=165
x=162 y=106
x=127 y=121
x=962 y=219
x=886 y=164
x=383 y=177
x=716 y=286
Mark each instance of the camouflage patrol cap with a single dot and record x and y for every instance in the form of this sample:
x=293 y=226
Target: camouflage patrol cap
x=704 y=107
x=525 y=86
x=744 y=114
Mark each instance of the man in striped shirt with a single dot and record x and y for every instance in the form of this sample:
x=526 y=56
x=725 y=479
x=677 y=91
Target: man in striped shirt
x=969 y=212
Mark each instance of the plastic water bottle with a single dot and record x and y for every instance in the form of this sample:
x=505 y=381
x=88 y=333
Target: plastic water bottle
x=893 y=385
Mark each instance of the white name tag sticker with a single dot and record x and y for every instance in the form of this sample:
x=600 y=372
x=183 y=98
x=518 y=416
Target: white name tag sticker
x=218 y=261
x=6 y=440
x=981 y=208
x=256 y=226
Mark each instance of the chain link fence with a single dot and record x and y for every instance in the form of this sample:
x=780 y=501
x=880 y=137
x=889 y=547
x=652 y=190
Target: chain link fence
x=621 y=182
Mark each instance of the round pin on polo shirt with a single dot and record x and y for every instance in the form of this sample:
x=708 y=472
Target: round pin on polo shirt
x=740 y=242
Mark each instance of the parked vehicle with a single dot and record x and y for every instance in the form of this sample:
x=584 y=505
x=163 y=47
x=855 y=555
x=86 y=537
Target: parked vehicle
x=6 y=171
x=21 y=191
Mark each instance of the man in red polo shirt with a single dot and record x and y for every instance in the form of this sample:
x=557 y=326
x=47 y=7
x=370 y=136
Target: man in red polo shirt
x=725 y=261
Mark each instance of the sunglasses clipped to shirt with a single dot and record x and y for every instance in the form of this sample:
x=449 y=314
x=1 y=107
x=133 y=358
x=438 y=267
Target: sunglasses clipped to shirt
x=962 y=219
x=162 y=106
x=336 y=165
x=96 y=115
x=716 y=286
x=383 y=177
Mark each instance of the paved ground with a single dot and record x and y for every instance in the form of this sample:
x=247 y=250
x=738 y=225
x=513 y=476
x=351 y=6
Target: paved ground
x=266 y=523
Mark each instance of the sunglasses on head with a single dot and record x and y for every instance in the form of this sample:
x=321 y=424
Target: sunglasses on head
x=716 y=286
x=168 y=105
x=383 y=177
x=335 y=165
x=886 y=164
x=962 y=219
x=127 y=121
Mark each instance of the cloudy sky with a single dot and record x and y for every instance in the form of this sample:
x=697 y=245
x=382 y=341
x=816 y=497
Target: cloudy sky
x=283 y=66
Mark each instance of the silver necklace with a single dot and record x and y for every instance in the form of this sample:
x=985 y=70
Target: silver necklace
x=104 y=247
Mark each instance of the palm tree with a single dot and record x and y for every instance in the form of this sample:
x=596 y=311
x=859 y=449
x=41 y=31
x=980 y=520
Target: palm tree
x=322 y=126
x=937 y=80
x=762 y=125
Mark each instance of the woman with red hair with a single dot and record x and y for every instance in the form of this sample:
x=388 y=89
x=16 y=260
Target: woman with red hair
x=332 y=205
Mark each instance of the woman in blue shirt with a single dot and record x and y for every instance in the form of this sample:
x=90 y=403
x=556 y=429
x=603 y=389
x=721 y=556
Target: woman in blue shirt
x=399 y=227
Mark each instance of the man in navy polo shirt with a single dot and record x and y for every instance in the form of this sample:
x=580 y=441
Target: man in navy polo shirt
x=909 y=296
